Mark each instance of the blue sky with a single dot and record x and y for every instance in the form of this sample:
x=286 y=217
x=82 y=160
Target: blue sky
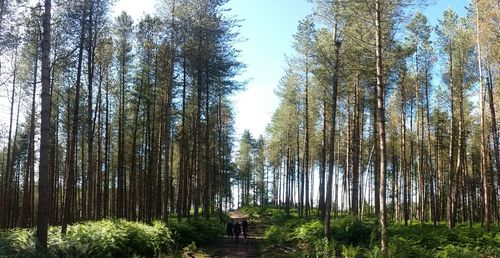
x=268 y=27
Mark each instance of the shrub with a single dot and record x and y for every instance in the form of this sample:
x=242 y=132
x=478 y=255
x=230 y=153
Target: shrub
x=351 y=231
x=401 y=247
x=275 y=234
x=20 y=243
x=16 y=241
x=323 y=248
x=309 y=235
x=452 y=251
x=349 y=251
x=197 y=231
x=115 y=238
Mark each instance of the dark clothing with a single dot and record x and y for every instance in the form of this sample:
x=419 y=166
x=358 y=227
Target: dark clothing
x=244 y=225
x=229 y=229
x=237 y=230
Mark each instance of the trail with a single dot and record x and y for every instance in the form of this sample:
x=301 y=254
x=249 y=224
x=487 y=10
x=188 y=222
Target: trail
x=225 y=247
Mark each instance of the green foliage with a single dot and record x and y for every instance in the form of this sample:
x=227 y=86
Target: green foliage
x=457 y=252
x=323 y=247
x=19 y=243
x=354 y=238
x=351 y=231
x=15 y=241
x=116 y=238
x=349 y=251
x=431 y=241
x=198 y=231
x=276 y=234
x=111 y=238
x=310 y=237
x=401 y=247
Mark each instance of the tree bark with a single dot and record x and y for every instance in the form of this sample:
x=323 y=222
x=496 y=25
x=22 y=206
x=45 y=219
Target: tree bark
x=72 y=166
x=484 y=177
x=381 y=125
x=328 y=199
x=44 y=188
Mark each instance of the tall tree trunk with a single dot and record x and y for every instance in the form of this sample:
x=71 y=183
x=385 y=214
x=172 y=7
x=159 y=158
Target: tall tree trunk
x=356 y=144
x=484 y=177
x=182 y=177
x=27 y=206
x=107 y=163
x=8 y=171
x=90 y=124
x=99 y=178
x=494 y=130
x=306 y=151
x=168 y=121
x=206 y=186
x=133 y=165
x=322 y=170
x=380 y=125
x=328 y=199
x=44 y=188
x=403 y=165
x=452 y=150
x=71 y=168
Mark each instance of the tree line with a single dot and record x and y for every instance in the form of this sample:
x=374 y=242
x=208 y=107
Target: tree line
x=380 y=118
x=134 y=119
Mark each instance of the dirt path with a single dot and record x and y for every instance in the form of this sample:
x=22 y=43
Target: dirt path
x=226 y=247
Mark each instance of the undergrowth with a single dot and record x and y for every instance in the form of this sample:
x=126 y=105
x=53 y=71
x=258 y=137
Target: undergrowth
x=111 y=238
x=351 y=237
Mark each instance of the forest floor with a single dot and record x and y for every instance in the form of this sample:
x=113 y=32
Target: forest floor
x=225 y=247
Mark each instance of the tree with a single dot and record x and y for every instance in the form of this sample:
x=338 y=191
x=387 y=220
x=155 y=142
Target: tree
x=245 y=166
x=44 y=189
x=124 y=47
x=72 y=159
x=304 y=45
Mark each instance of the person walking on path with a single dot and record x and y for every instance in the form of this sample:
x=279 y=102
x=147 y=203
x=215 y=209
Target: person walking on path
x=229 y=229
x=244 y=225
x=237 y=230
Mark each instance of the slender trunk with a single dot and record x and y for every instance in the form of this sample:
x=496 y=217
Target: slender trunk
x=402 y=149
x=322 y=169
x=44 y=188
x=107 y=136
x=484 y=176
x=8 y=171
x=356 y=142
x=182 y=178
x=70 y=181
x=381 y=125
x=206 y=186
x=27 y=207
x=328 y=199
x=306 y=149
x=452 y=150
x=494 y=130
x=168 y=122
x=90 y=124
x=99 y=178
x=431 y=176
x=133 y=164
